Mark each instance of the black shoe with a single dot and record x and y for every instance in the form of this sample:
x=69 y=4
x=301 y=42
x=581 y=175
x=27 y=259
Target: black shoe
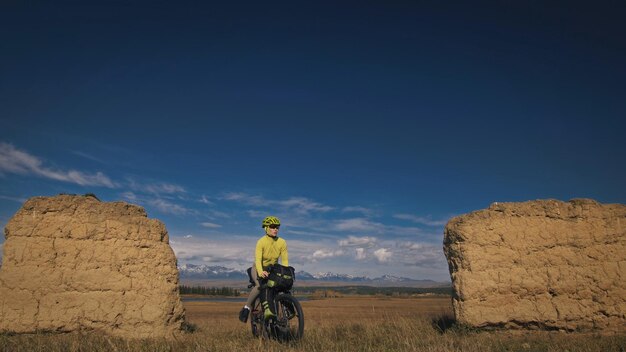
x=243 y=314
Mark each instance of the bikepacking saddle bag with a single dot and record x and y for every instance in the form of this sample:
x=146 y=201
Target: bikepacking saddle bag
x=281 y=277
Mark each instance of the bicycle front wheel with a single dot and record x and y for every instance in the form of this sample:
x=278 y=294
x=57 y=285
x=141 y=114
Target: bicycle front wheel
x=257 y=323
x=289 y=318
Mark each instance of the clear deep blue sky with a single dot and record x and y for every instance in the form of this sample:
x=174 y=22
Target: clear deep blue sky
x=363 y=125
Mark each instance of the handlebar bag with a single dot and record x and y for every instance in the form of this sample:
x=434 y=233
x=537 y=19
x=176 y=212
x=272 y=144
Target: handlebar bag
x=281 y=277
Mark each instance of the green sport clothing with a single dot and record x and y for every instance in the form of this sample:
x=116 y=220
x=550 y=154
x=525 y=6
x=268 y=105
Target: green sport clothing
x=268 y=250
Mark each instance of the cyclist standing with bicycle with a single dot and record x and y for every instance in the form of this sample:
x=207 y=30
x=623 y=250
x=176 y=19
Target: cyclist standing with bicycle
x=269 y=249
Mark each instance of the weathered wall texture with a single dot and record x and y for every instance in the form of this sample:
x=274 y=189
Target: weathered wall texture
x=73 y=262
x=540 y=264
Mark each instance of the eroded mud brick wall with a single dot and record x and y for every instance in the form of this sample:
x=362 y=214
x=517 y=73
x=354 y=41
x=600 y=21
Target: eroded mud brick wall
x=540 y=264
x=73 y=262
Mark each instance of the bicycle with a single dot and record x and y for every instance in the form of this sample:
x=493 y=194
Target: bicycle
x=288 y=325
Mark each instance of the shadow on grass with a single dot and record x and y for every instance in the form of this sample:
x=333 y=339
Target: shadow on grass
x=444 y=323
x=189 y=328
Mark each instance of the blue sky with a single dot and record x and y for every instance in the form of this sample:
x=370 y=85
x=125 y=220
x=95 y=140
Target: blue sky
x=364 y=126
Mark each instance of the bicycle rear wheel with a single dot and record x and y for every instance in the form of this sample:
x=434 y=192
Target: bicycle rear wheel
x=289 y=318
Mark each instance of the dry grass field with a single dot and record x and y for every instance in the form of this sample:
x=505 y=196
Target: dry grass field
x=338 y=324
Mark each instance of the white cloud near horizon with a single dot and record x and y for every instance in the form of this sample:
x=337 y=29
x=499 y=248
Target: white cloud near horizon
x=421 y=255
x=15 y=161
x=411 y=259
x=322 y=254
x=383 y=255
x=363 y=242
x=225 y=250
x=360 y=253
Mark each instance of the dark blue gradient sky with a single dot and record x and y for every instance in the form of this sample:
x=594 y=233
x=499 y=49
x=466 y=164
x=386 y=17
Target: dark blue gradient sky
x=342 y=117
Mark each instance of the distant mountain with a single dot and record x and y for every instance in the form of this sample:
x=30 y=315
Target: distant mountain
x=328 y=276
x=192 y=271
x=206 y=272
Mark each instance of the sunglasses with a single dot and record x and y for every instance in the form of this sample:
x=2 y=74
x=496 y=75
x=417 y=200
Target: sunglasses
x=274 y=226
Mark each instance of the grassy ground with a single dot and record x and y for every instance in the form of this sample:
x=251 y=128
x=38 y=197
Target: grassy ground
x=340 y=324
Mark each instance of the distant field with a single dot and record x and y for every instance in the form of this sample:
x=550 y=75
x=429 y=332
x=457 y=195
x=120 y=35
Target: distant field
x=355 y=323
x=339 y=310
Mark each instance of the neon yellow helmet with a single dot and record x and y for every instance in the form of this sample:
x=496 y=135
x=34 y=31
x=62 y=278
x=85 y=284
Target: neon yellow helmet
x=270 y=220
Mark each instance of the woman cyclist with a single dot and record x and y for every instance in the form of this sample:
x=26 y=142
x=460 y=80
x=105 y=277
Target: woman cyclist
x=269 y=249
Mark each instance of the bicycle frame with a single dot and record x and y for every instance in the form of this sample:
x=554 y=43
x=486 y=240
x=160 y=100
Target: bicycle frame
x=288 y=323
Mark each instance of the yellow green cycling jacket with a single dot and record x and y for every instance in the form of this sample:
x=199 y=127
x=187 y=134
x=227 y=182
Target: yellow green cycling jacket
x=268 y=250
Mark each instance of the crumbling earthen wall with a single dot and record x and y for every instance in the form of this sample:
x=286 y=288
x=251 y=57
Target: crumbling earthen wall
x=540 y=264
x=73 y=262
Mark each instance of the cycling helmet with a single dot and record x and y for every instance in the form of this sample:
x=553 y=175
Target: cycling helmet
x=270 y=220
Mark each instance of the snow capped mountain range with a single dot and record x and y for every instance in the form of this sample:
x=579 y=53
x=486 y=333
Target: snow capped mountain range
x=193 y=271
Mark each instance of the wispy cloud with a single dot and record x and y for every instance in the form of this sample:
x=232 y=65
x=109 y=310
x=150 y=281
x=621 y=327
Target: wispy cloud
x=357 y=224
x=167 y=188
x=256 y=214
x=89 y=156
x=130 y=196
x=244 y=198
x=299 y=205
x=304 y=205
x=219 y=214
x=310 y=234
x=421 y=219
x=15 y=199
x=160 y=204
x=358 y=209
x=15 y=161
x=210 y=225
x=205 y=200
x=168 y=207
x=155 y=188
